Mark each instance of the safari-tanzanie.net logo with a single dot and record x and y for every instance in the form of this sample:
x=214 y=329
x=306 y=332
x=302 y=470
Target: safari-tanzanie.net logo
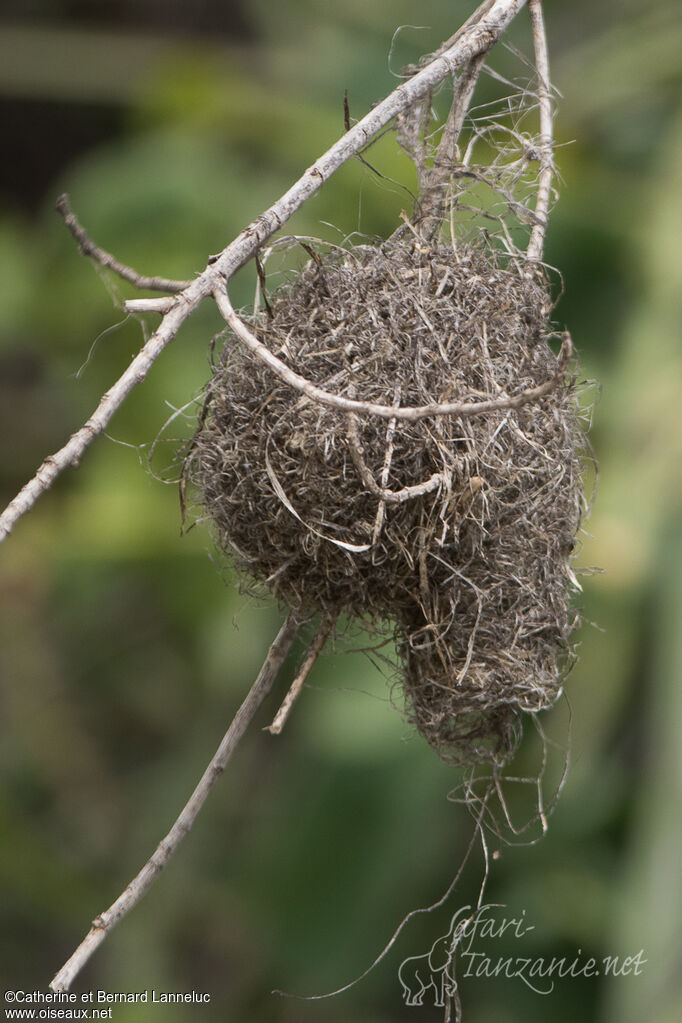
x=467 y=950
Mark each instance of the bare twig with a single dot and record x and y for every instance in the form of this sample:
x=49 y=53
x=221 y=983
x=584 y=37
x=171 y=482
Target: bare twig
x=73 y=450
x=88 y=248
x=463 y=91
x=475 y=38
x=385 y=472
x=314 y=652
x=434 y=180
x=544 y=192
x=365 y=474
x=139 y=886
x=411 y=414
x=473 y=19
x=149 y=305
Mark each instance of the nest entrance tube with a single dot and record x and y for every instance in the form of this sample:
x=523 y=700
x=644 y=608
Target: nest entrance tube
x=456 y=529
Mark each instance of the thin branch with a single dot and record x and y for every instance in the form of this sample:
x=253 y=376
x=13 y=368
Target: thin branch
x=140 y=885
x=385 y=471
x=434 y=180
x=314 y=652
x=544 y=193
x=411 y=414
x=475 y=38
x=88 y=248
x=73 y=450
x=473 y=19
x=461 y=100
x=149 y=305
x=365 y=473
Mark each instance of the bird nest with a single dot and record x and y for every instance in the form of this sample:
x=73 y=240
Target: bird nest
x=458 y=529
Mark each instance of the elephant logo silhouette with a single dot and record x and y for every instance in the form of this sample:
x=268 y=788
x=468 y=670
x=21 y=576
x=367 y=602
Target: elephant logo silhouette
x=433 y=972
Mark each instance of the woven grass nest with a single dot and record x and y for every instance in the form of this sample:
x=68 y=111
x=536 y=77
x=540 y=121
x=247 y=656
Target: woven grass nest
x=458 y=530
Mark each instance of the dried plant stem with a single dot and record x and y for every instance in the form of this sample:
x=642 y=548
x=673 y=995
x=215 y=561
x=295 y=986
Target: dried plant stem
x=463 y=91
x=544 y=192
x=476 y=37
x=434 y=180
x=411 y=414
x=88 y=248
x=140 y=885
x=365 y=474
x=385 y=472
x=149 y=305
x=314 y=652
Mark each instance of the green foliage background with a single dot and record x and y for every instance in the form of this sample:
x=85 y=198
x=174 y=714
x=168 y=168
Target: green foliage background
x=124 y=649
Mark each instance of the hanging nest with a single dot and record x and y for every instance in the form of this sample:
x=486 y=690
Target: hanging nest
x=456 y=529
